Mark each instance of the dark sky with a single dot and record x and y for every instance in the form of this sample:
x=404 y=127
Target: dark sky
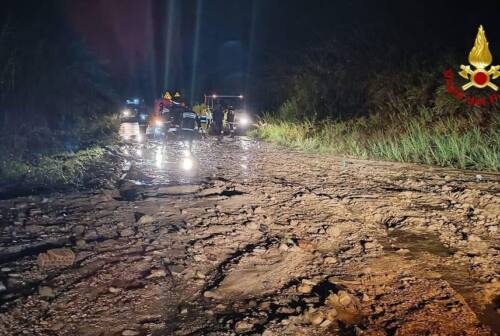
x=220 y=45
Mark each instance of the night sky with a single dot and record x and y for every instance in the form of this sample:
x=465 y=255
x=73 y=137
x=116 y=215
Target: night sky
x=205 y=46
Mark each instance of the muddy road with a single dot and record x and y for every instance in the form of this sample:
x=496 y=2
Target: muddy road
x=241 y=237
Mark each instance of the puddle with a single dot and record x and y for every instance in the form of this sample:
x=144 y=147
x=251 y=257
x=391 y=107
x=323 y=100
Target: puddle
x=461 y=282
x=458 y=277
x=490 y=316
x=417 y=243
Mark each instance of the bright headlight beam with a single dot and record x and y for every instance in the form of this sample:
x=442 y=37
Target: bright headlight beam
x=159 y=157
x=187 y=163
x=244 y=121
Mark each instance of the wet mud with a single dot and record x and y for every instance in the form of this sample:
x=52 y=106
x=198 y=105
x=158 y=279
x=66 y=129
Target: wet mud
x=239 y=237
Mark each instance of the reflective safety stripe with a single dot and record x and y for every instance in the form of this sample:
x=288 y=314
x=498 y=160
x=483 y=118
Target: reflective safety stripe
x=189 y=115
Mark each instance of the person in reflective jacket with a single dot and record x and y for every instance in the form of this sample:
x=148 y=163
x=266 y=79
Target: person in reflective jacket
x=188 y=125
x=218 y=118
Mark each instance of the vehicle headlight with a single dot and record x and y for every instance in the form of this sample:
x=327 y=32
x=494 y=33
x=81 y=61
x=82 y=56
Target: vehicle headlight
x=143 y=116
x=187 y=163
x=244 y=121
x=158 y=122
x=126 y=113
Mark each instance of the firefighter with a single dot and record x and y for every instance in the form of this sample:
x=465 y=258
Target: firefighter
x=188 y=125
x=230 y=118
x=218 y=119
x=163 y=103
x=178 y=107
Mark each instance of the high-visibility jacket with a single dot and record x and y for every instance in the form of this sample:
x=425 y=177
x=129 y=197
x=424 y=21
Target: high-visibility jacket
x=162 y=103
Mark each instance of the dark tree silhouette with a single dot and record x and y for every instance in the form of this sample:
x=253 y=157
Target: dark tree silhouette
x=52 y=91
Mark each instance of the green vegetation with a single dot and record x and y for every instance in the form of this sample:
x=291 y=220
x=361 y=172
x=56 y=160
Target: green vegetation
x=198 y=108
x=31 y=167
x=56 y=103
x=344 y=99
x=68 y=169
x=448 y=142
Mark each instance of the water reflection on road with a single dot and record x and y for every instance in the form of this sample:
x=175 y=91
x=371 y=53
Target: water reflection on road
x=158 y=161
x=130 y=131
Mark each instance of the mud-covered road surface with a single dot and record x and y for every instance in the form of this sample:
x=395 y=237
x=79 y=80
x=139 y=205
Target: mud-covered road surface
x=242 y=237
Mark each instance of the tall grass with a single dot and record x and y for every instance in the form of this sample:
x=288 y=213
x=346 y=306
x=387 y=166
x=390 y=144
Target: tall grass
x=448 y=142
x=54 y=171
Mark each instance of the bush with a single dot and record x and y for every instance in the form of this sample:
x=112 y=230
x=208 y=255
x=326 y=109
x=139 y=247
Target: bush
x=198 y=108
x=355 y=97
x=50 y=172
x=449 y=142
x=53 y=94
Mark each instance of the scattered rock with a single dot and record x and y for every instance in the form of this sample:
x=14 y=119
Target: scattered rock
x=212 y=295
x=315 y=317
x=332 y=314
x=334 y=231
x=91 y=235
x=345 y=298
x=473 y=238
x=253 y=226
x=243 y=327
x=305 y=245
x=61 y=257
x=330 y=260
x=130 y=333
x=146 y=219
x=283 y=247
x=403 y=251
x=332 y=300
x=157 y=274
x=179 y=189
x=78 y=230
x=46 y=292
x=325 y=323
x=433 y=275
x=148 y=318
x=127 y=232
x=176 y=269
x=305 y=288
x=370 y=245
x=265 y=305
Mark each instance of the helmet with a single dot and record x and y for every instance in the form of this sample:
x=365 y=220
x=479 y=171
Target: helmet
x=167 y=95
x=177 y=94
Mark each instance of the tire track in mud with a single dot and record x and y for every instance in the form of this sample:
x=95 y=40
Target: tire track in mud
x=232 y=261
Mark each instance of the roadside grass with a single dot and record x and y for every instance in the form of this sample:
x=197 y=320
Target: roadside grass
x=44 y=159
x=54 y=171
x=422 y=138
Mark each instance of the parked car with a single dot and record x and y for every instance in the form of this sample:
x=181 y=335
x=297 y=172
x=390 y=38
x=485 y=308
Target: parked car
x=135 y=111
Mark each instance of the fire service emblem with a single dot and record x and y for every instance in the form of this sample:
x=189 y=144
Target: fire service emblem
x=480 y=58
